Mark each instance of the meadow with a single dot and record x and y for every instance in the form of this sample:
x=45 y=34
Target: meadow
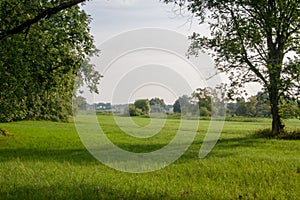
x=46 y=160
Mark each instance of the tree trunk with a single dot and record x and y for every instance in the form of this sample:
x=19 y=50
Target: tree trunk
x=277 y=126
x=275 y=58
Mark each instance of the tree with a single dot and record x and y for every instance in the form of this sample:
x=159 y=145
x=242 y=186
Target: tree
x=203 y=98
x=182 y=105
x=263 y=104
x=289 y=108
x=133 y=111
x=157 y=105
x=176 y=107
x=255 y=106
x=251 y=106
x=80 y=103
x=38 y=68
x=241 y=109
x=253 y=41
x=143 y=105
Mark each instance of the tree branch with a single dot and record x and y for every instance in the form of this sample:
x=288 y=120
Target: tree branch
x=244 y=51
x=46 y=13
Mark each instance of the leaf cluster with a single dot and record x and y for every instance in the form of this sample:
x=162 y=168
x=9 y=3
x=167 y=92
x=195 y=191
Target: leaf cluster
x=38 y=68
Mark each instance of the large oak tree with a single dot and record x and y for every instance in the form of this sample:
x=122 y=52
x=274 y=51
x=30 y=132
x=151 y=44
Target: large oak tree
x=44 y=46
x=253 y=41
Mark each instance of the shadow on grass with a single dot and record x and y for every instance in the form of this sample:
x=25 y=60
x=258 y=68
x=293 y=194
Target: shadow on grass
x=225 y=147
x=60 y=155
x=81 y=156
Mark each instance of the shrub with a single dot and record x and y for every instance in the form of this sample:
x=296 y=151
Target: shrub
x=288 y=135
x=204 y=112
x=264 y=133
x=132 y=110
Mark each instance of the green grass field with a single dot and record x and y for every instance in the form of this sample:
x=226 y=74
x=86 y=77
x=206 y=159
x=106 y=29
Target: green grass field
x=46 y=160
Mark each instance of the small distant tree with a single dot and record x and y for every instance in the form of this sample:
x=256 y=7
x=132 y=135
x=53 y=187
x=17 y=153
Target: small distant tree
x=255 y=106
x=203 y=98
x=210 y=101
x=251 y=106
x=79 y=102
x=263 y=104
x=289 y=108
x=157 y=105
x=176 y=107
x=241 y=109
x=143 y=105
x=131 y=110
x=182 y=104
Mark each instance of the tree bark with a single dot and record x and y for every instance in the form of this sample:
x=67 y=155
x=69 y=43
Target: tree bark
x=275 y=58
x=277 y=126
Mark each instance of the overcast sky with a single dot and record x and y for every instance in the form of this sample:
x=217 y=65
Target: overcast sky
x=111 y=17
x=166 y=71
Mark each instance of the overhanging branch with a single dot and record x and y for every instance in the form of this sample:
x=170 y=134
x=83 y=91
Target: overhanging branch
x=46 y=13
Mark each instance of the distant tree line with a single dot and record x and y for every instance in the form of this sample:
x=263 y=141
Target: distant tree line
x=144 y=107
x=204 y=102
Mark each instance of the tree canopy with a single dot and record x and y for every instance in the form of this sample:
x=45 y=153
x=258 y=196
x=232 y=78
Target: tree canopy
x=13 y=25
x=143 y=105
x=157 y=105
x=252 y=41
x=39 y=65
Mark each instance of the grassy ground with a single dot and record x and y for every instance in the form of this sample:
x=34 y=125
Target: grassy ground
x=46 y=160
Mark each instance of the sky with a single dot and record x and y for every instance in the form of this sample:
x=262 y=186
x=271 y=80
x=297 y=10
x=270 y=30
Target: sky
x=111 y=17
x=143 y=45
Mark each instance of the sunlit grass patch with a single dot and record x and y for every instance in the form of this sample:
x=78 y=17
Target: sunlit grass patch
x=46 y=160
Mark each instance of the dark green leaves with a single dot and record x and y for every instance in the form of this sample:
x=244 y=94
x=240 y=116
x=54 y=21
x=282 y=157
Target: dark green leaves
x=38 y=68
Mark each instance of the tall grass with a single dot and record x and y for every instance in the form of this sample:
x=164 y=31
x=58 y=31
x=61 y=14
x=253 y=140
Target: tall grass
x=46 y=160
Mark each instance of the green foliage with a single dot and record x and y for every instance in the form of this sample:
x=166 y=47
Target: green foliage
x=183 y=105
x=38 y=68
x=255 y=106
x=79 y=103
x=290 y=135
x=132 y=110
x=157 y=105
x=204 y=112
x=289 y=109
x=265 y=133
x=252 y=41
x=142 y=106
x=286 y=134
x=176 y=107
x=203 y=98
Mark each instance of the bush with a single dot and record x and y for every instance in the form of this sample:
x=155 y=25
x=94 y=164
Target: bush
x=132 y=110
x=287 y=135
x=204 y=112
x=290 y=135
x=264 y=133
